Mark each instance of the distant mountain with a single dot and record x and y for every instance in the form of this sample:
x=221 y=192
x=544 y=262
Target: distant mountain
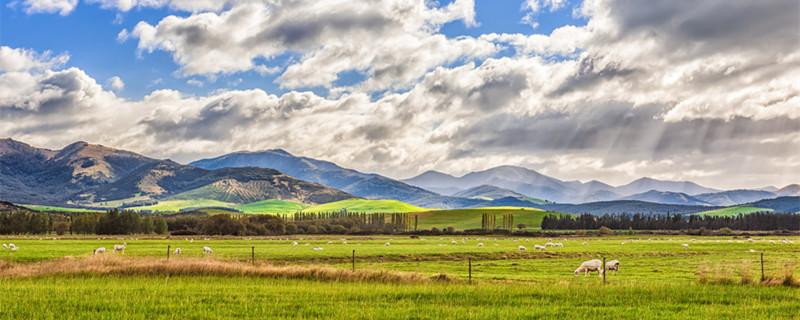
x=647 y=184
x=33 y=175
x=487 y=192
x=734 y=197
x=780 y=204
x=364 y=185
x=85 y=174
x=666 y=197
x=625 y=207
x=790 y=190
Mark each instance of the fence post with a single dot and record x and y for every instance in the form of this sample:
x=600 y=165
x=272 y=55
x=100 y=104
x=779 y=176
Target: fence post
x=354 y=260
x=168 y=252
x=604 y=270
x=762 y=266
x=470 y=269
x=253 y=254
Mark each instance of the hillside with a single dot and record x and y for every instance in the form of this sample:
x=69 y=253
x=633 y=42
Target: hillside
x=83 y=174
x=365 y=206
x=487 y=192
x=625 y=206
x=734 y=197
x=732 y=211
x=667 y=198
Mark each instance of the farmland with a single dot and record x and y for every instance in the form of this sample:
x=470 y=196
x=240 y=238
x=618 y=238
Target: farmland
x=733 y=211
x=658 y=278
x=366 y=206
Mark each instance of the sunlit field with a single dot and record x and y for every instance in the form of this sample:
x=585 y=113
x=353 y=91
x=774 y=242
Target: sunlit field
x=425 y=278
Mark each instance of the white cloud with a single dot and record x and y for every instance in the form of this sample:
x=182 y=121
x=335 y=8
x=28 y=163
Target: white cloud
x=63 y=7
x=392 y=41
x=533 y=7
x=115 y=83
x=195 y=82
x=19 y=59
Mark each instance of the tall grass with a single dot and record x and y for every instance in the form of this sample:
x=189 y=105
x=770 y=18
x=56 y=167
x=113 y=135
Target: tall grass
x=725 y=274
x=150 y=266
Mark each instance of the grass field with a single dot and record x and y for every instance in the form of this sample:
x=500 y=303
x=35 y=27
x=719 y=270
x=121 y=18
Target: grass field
x=366 y=206
x=462 y=219
x=48 y=279
x=732 y=211
x=51 y=208
x=176 y=205
x=272 y=206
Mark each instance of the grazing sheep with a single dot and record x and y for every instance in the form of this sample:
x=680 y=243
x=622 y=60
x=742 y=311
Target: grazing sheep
x=11 y=246
x=559 y=244
x=5 y=246
x=549 y=244
x=480 y=244
x=462 y=242
x=191 y=240
x=527 y=240
x=750 y=240
x=522 y=248
x=15 y=248
x=344 y=242
x=177 y=251
x=121 y=247
x=453 y=242
x=495 y=244
x=387 y=244
x=317 y=248
x=294 y=244
x=685 y=245
x=751 y=250
x=612 y=265
x=207 y=250
x=330 y=242
x=538 y=247
x=585 y=243
x=591 y=265
x=623 y=243
x=99 y=250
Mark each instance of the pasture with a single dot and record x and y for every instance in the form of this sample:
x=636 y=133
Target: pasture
x=409 y=279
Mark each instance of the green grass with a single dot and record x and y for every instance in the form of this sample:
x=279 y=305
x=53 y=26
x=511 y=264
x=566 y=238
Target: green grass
x=176 y=205
x=462 y=219
x=657 y=279
x=366 y=206
x=272 y=206
x=120 y=297
x=51 y=208
x=731 y=211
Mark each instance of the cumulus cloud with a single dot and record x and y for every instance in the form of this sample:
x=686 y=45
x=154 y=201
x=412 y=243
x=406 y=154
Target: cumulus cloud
x=532 y=7
x=705 y=90
x=115 y=83
x=63 y=7
x=394 y=42
x=19 y=59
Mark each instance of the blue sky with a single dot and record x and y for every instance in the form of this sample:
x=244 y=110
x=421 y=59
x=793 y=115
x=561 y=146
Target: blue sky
x=598 y=90
x=89 y=36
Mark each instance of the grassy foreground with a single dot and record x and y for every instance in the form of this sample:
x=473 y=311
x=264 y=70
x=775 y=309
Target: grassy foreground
x=223 y=297
x=716 y=277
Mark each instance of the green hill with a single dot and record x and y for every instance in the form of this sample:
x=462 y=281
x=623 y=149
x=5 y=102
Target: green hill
x=462 y=219
x=366 y=206
x=732 y=211
x=272 y=206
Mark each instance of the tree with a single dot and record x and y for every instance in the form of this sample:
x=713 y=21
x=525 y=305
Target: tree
x=160 y=226
x=522 y=226
x=603 y=231
x=61 y=227
x=223 y=224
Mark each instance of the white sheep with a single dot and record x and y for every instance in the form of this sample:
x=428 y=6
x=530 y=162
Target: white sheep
x=751 y=250
x=11 y=246
x=387 y=244
x=294 y=244
x=612 y=265
x=540 y=248
x=5 y=246
x=99 y=250
x=559 y=244
x=591 y=265
x=480 y=244
x=118 y=247
x=317 y=248
x=549 y=244
x=585 y=243
x=177 y=251
x=207 y=250
x=685 y=245
x=14 y=248
x=330 y=242
x=495 y=244
x=750 y=240
x=453 y=242
x=623 y=243
x=522 y=248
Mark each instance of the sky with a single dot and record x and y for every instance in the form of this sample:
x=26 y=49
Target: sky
x=609 y=90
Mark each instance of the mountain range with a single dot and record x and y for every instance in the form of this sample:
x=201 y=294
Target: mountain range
x=83 y=174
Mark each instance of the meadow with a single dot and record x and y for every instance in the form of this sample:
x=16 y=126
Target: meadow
x=410 y=279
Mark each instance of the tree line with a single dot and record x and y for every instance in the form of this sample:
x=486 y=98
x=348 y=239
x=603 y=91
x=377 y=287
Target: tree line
x=749 y=222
